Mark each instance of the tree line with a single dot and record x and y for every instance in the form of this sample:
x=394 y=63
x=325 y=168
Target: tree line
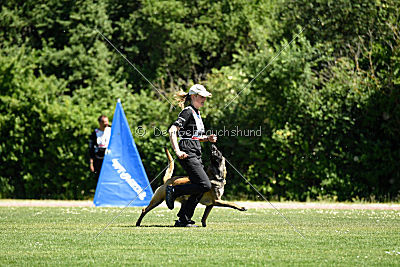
x=319 y=79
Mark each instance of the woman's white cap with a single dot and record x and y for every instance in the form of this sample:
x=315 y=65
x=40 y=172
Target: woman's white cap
x=199 y=89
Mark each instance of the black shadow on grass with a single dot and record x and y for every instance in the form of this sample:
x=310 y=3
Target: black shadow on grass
x=144 y=226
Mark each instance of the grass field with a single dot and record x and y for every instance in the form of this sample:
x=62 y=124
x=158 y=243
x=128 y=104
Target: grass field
x=31 y=236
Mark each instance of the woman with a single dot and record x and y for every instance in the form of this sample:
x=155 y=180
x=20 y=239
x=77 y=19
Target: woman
x=190 y=127
x=98 y=143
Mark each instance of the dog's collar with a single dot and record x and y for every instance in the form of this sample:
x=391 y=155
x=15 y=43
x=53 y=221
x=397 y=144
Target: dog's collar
x=219 y=183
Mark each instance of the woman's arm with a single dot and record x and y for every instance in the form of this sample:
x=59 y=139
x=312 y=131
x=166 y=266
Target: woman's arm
x=174 y=141
x=212 y=138
x=92 y=141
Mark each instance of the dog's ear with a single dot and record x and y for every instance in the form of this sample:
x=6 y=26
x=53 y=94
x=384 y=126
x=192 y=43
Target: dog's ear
x=213 y=147
x=214 y=150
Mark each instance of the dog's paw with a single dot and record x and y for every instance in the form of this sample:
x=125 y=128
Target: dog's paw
x=243 y=209
x=203 y=224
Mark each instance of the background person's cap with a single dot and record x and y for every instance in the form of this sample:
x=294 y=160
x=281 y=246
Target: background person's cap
x=199 y=90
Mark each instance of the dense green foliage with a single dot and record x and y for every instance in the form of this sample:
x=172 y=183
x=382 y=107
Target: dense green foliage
x=260 y=237
x=318 y=79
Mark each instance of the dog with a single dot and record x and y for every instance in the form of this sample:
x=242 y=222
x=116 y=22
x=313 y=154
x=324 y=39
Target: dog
x=216 y=173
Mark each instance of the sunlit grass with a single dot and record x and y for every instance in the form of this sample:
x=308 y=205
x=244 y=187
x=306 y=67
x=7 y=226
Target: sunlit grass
x=66 y=236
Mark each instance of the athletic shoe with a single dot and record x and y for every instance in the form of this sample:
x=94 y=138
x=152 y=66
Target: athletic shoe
x=179 y=223
x=169 y=197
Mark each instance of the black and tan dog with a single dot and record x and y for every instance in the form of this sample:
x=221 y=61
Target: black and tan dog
x=216 y=173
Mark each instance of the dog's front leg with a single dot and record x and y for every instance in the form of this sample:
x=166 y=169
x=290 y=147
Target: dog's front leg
x=222 y=203
x=205 y=215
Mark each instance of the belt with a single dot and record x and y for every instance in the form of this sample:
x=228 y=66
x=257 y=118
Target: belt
x=192 y=138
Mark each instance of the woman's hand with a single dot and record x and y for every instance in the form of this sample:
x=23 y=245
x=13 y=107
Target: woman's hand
x=212 y=138
x=181 y=154
x=91 y=166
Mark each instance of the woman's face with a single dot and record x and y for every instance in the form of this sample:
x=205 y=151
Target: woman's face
x=198 y=101
x=103 y=123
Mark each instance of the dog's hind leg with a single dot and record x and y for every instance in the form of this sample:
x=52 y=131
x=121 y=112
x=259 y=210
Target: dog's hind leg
x=205 y=215
x=221 y=203
x=146 y=210
x=158 y=198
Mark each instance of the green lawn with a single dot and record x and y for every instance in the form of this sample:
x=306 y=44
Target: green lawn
x=65 y=236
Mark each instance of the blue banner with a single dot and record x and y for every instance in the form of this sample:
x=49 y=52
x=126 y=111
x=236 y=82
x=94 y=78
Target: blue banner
x=122 y=176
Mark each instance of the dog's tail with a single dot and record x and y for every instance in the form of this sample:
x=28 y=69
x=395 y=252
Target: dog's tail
x=170 y=170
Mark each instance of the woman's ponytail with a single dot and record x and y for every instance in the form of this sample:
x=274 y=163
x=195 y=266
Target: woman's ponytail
x=182 y=98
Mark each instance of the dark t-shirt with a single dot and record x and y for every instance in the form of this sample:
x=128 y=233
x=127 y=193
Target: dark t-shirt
x=187 y=128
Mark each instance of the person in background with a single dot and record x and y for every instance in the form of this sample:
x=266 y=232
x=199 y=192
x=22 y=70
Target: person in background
x=98 y=143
